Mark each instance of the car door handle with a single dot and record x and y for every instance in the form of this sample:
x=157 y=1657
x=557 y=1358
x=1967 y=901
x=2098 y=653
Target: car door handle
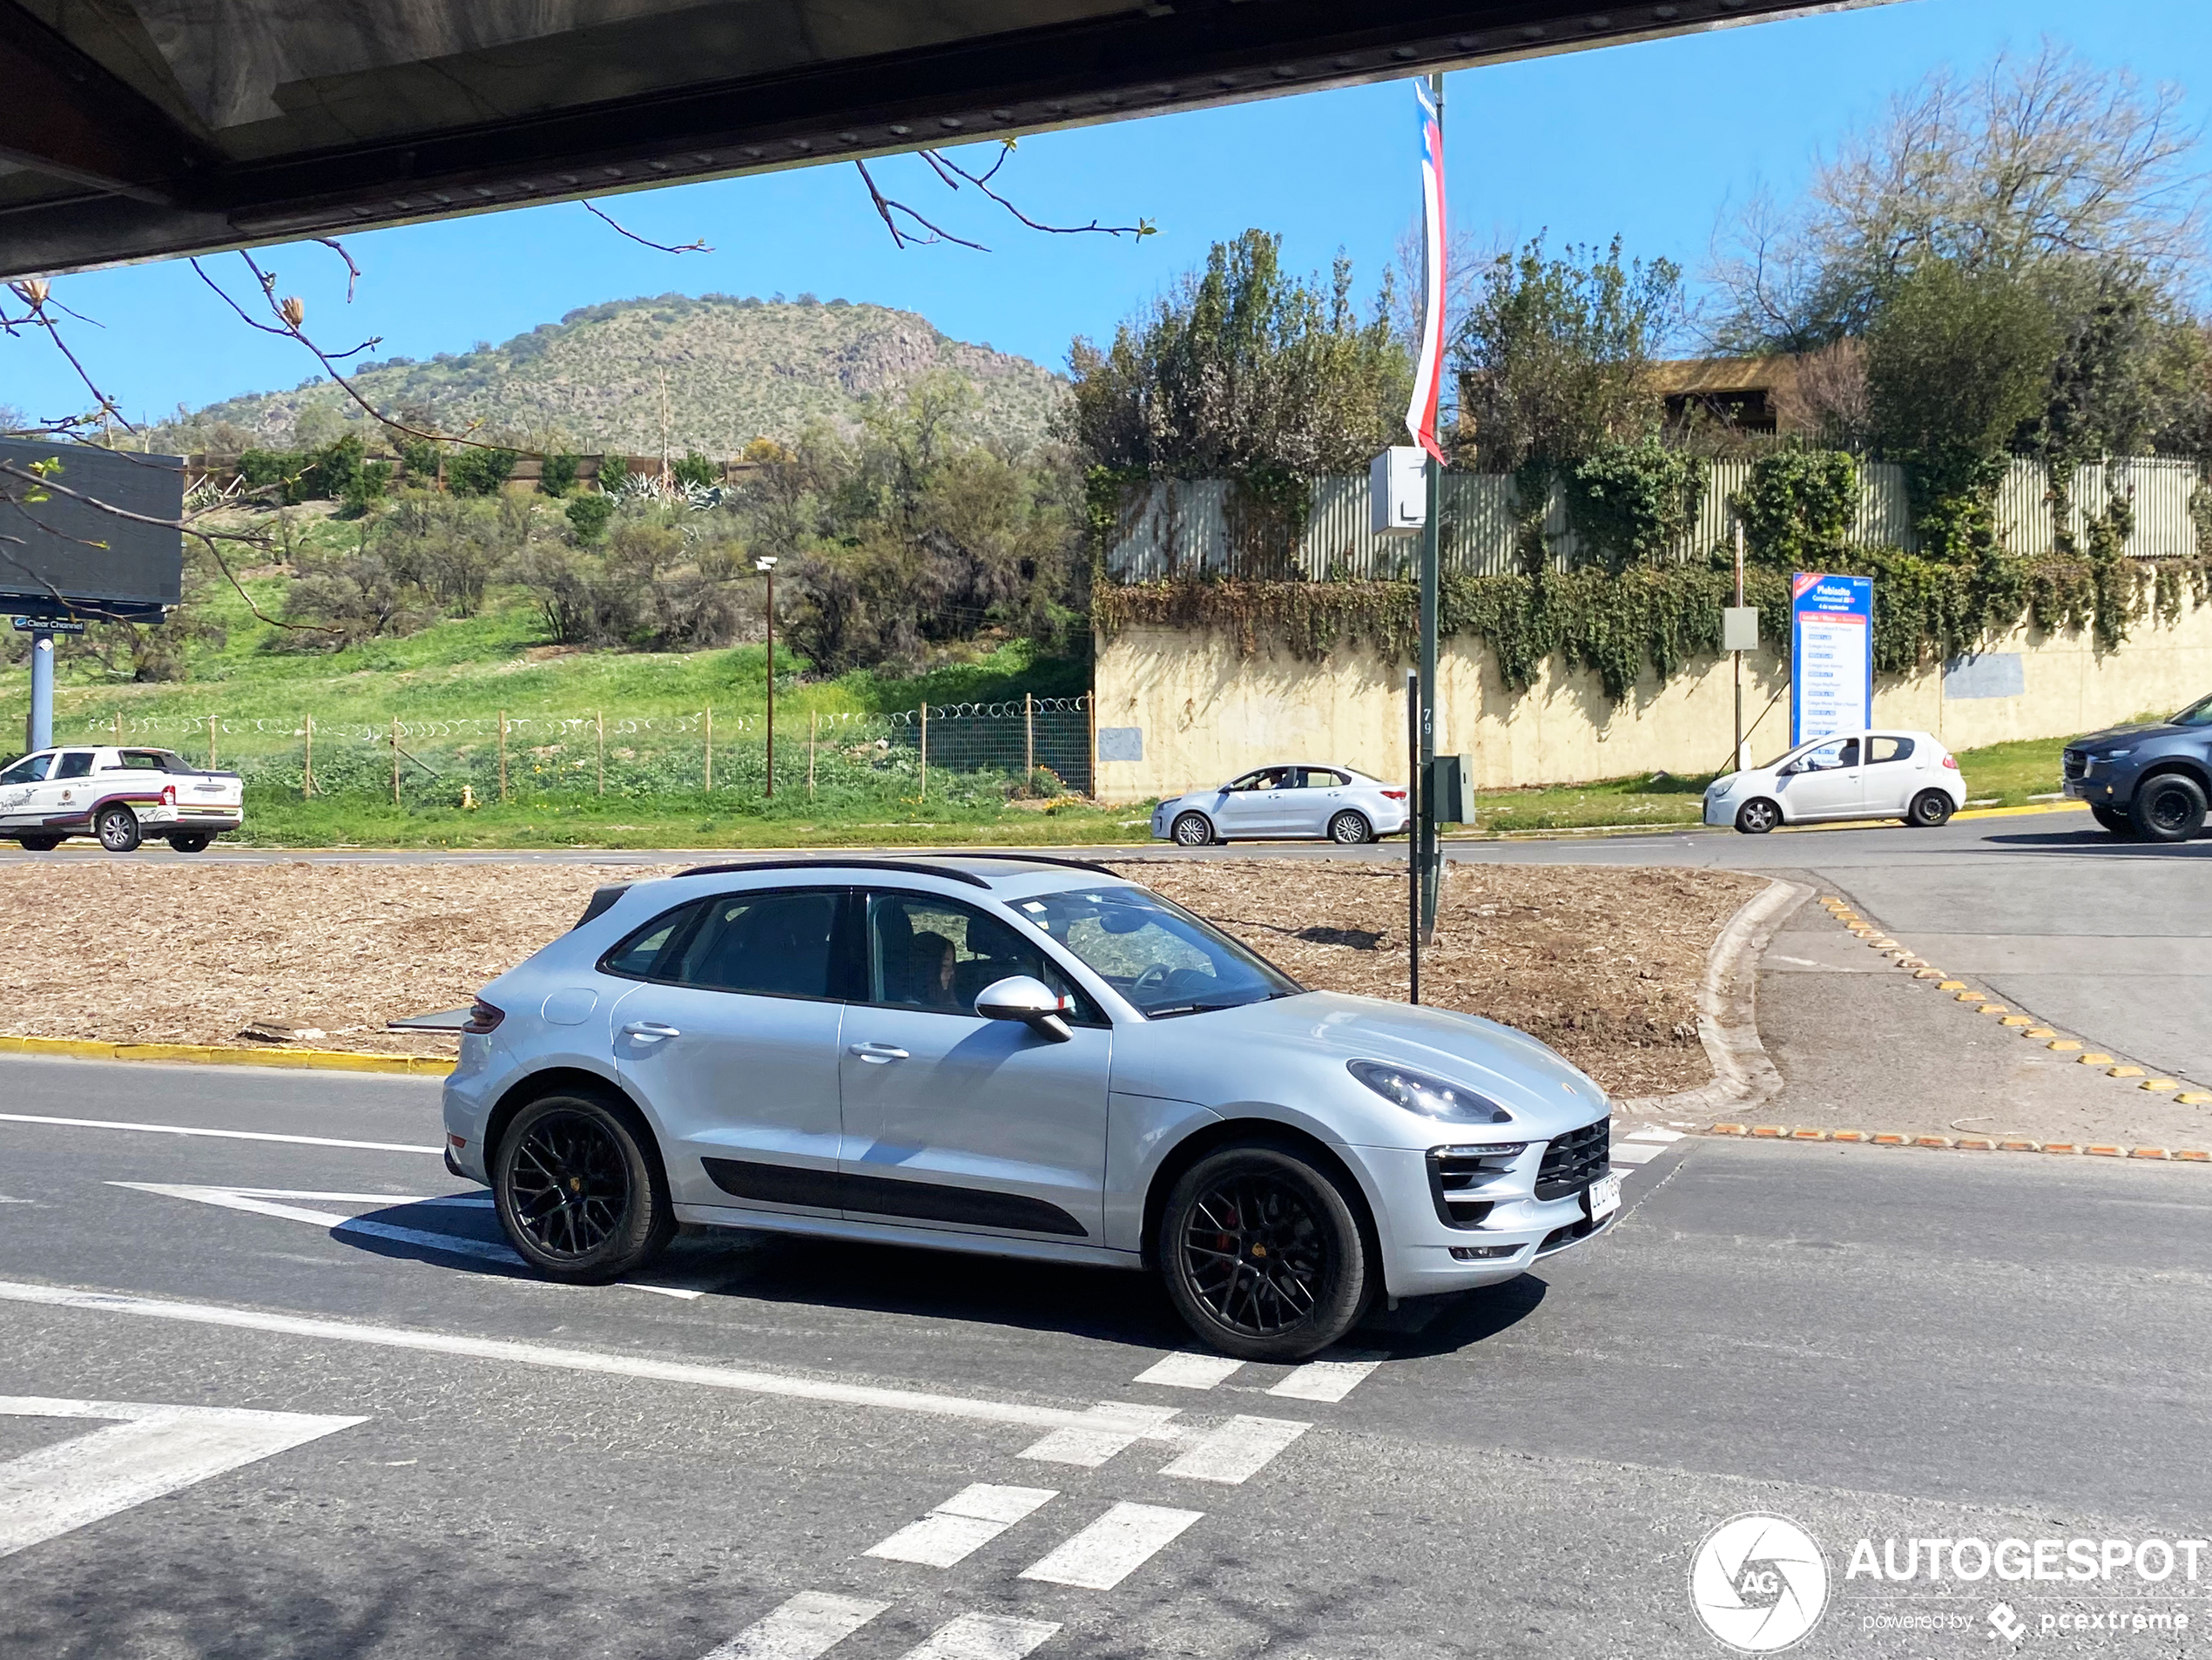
x=877 y=1054
x=650 y=1030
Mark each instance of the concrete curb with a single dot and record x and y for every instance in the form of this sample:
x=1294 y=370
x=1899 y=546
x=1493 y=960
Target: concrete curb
x=306 y=1060
x=1728 y=1011
x=1964 y=1144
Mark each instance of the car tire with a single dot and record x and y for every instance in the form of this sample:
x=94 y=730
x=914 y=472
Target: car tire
x=38 y=844
x=1931 y=810
x=1192 y=830
x=1757 y=816
x=1351 y=829
x=2168 y=807
x=194 y=842
x=579 y=1189
x=1257 y=1203
x=118 y=828
x=2112 y=819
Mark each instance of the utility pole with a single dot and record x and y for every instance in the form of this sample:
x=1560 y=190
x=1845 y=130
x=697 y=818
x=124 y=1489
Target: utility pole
x=1432 y=535
x=1741 y=761
x=765 y=563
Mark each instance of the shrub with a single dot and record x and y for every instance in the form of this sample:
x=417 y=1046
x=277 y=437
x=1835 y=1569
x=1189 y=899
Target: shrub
x=366 y=489
x=1632 y=505
x=588 y=517
x=695 y=471
x=1797 y=507
x=420 y=456
x=557 y=473
x=480 y=471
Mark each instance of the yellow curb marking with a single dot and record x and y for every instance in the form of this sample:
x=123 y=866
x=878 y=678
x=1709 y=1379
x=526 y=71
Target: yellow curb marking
x=311 y=1060
x=2194 y=1099
x=1972 y=997
x=2039 y=1031
x=1951 y=985
x=2016 y=1019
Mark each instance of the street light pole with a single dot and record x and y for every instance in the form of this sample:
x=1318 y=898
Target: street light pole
x=1425 y=820
x=765 y=565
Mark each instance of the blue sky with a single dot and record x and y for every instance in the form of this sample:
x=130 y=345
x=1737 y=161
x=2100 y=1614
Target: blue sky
x=1650 y=141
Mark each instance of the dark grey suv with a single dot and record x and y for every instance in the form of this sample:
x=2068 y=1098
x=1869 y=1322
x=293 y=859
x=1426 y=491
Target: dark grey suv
x=2150 y=781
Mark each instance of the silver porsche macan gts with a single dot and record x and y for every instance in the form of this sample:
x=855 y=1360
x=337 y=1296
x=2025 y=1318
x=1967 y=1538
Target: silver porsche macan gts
x=1016 y=1056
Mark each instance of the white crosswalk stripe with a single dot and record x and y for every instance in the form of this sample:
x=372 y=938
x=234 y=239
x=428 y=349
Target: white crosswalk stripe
x=1190 y=1371
x=1237 y=1450
x=970 y=1520
x=1113 y=1547
x=1629 y=1153
x=1109 y=1426
x=811 y=1623
x=1326 y=1380
x=1653 y=1134
x=982 y=1637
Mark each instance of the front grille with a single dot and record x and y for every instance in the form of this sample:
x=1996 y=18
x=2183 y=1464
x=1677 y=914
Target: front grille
x=2074 y=763
x=1575 y=1160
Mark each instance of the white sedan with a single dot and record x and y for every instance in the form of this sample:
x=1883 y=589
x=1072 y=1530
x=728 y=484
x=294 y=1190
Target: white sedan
x=1332 y=802
x=1908 y=775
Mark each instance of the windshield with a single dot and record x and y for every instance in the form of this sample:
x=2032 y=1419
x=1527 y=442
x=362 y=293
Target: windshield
x=1160 y=958
x=2197 y=714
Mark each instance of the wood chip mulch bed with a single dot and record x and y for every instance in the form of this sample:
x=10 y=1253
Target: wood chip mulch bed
x=1602 y=964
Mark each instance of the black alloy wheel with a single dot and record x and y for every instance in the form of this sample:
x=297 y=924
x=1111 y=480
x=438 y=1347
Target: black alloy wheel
x=1262 y=1254
x=117 y=829
x=2169 y=807
x=578 y=1194
x=1756 y=817
x=1350 y=829
x=1932 y=809
x=191 y=841
x=1191 y=830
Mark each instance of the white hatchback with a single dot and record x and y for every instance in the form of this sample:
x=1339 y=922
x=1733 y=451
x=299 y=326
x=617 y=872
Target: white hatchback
x=1908 y=775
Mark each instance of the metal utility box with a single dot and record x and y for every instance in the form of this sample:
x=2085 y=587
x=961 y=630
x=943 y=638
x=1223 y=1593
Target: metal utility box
x=66 y=556
x=1740 y=627
x=1398 y=491
x=1451 y=789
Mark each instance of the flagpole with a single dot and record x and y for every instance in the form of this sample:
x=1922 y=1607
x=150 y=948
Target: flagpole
x=1431 y=850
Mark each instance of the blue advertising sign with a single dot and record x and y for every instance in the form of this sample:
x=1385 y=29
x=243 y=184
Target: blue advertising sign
x=1831 y=655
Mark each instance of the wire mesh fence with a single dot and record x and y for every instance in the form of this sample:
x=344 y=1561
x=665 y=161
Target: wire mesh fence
x=1032 y=746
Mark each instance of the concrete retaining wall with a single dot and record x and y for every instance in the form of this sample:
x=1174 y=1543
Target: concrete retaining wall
x=1180 y=710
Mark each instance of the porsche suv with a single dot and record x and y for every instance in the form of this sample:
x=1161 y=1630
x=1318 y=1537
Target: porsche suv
x=1021 y=1056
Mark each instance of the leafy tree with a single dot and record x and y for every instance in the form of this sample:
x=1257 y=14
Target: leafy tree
x=557 y=473
x=1633 y=503
x=588 y=516
x=1243 y=371
x=479 y=471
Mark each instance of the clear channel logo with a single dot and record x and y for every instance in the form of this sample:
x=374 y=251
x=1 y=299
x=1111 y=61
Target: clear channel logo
x=1759 y=1584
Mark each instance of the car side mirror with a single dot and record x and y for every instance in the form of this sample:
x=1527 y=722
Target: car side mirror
x=1024 y=997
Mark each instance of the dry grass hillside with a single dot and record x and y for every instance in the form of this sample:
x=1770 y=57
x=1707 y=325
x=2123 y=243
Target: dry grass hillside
x=737 y=370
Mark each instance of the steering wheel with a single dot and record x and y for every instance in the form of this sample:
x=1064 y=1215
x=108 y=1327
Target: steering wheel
x=1151 y=979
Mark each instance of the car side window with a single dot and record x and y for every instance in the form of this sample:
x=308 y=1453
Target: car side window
x=138 y=761
x=77 y=763
x=774 y=944
x=924 y=952
x=30 y=770
x=638 y=956
x=1881 y=749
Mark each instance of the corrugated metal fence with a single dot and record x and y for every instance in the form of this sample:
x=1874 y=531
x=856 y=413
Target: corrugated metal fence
x=1191 y=527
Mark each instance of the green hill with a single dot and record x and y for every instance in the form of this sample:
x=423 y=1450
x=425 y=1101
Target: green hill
x=736 y=369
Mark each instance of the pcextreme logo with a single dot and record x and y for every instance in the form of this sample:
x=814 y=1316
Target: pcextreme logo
x=1759 y=1584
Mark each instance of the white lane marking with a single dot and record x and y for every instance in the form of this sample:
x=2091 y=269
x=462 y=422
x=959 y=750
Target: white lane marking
x=153 y=1450
x=1113 y=1547
x=1190 y=1371
x=1237 y=1450
x=1105 y=1430
x=970 y=1408
x=810 y=1624
x=982 y=1637
x=1625 y=1153
x=1329 y=1380
x=261 y=1201
x=223 y=1134
x=1653 y=1133
x=970 y=1520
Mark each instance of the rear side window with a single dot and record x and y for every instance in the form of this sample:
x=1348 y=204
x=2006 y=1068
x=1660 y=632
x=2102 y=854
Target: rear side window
x=776 y=943
x=1880 y=749
x=78 y=763
x=150 y=760
x=638 y=956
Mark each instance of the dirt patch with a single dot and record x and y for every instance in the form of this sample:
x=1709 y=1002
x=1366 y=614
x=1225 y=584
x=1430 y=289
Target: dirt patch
x=1602 y=964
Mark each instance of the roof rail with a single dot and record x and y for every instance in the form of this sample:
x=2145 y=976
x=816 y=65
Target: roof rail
x=907 y=866
x=1039 y=859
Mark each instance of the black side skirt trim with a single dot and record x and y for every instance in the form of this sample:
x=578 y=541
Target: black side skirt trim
x=825 y=1190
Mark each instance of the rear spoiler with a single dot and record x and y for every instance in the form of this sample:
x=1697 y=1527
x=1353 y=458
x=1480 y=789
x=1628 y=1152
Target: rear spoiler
x=603 y=901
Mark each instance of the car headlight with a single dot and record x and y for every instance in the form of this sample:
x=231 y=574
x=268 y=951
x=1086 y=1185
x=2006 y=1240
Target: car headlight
x=2114 y=754
x=1431 y=1097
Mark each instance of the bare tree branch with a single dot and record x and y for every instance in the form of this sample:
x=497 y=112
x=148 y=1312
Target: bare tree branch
x=34 y=293
x=945 y=165
x=697 y=246
x=885 y=206
x=352 y=270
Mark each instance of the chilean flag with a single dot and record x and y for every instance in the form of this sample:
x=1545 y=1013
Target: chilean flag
x=1420 y=414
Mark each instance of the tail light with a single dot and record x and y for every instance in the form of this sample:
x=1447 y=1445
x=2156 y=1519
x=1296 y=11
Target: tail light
x=1393 y=795
x=1951 y=761
x=482 y=1017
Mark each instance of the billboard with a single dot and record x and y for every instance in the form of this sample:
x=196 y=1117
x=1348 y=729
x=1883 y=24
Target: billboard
x=63 y=556
x=1831 y=655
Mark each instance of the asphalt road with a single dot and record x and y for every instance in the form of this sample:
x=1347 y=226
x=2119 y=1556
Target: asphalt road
x=1870 y=1343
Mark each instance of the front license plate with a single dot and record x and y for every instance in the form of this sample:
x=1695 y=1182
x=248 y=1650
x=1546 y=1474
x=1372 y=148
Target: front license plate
x=1603 y=1197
